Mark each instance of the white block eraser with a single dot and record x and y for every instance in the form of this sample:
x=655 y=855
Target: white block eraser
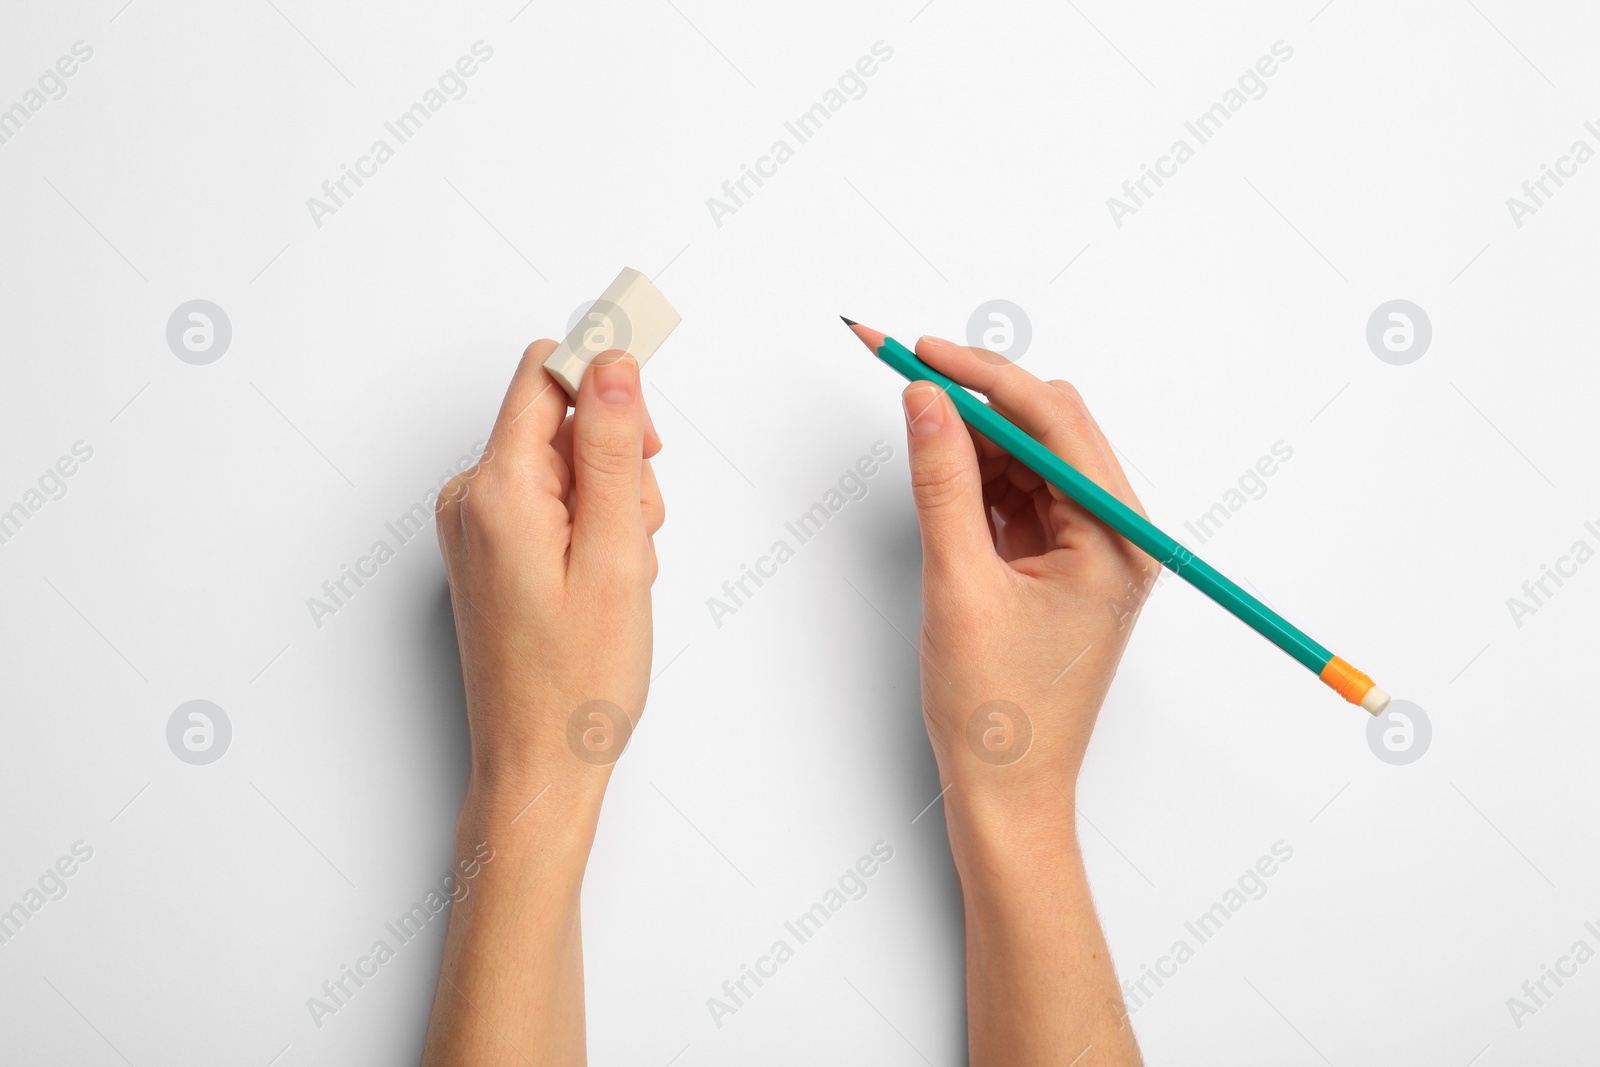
x=631 y=315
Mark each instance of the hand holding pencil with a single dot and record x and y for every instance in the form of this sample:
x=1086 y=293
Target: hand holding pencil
x=1027 y=598
x=1027 y=603
x=1336 y=673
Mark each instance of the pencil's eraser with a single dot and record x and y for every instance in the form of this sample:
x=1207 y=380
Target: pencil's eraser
x=631 y=316
x=1375 y=701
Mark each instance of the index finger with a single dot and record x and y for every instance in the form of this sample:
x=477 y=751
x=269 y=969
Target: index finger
x=1041 y=411
x=534 y=405
x=1052 y=413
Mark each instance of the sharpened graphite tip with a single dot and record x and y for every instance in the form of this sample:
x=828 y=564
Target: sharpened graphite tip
x=847 y=322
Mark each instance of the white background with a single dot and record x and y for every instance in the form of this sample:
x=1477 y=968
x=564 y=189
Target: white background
x=370 y=353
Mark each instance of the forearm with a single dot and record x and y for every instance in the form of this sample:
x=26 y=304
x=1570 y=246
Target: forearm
x=1041 y=988
x=511 y=980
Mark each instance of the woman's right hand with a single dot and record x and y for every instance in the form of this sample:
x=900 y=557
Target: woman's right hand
x=1027 y=603
x=1028 y=600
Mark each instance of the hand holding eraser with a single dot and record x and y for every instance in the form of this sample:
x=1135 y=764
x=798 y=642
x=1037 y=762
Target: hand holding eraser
x=631 y=316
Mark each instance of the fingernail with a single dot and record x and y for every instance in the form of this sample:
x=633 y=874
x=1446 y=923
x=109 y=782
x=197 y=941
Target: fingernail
x=616 y=381
x=936 y=342
x=924 y=411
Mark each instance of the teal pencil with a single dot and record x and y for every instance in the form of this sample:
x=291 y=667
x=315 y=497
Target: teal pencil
x=1339 y=675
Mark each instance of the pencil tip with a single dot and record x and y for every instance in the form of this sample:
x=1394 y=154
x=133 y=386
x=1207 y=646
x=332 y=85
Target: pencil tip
x=865 y=334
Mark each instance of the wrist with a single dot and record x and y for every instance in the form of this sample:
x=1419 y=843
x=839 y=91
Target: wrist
x=536 y=829
x=1011 y=826
x=503 y=789
x=521 y=745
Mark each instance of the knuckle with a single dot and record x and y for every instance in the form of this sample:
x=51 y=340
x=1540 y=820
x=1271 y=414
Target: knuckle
x=449 y=495
x=482 y=500
x=1068 y=392
x=622 y=573
x=475 y=514
x=634 y=571
x=937 y=484
x=538 y=351
x=610 y=452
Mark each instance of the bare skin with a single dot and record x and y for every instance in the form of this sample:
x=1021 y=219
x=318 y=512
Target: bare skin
x=547 y=545
x=1028 y=602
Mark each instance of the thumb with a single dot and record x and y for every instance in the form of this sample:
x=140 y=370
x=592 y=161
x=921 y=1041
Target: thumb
x=607 y=460
x=945 y=482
